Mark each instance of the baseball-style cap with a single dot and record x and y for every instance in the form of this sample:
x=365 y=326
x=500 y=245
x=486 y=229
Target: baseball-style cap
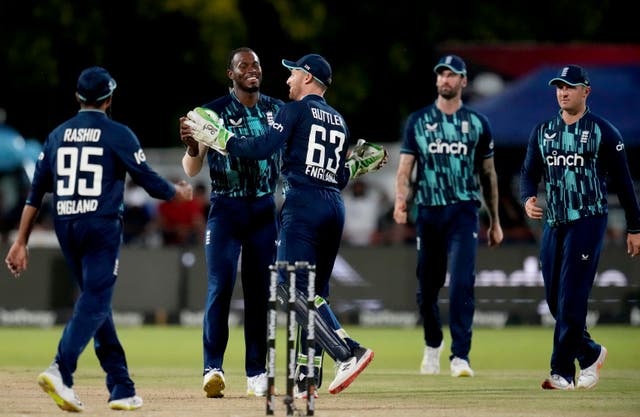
x=95 y=84
x=315 y=65
x=572 y=75
x=453 y=63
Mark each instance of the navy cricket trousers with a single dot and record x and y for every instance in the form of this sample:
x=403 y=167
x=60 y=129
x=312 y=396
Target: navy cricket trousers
x=235 y=225
x=312 y=221
x=447 y=240
x=569 y=259
x=91 y=248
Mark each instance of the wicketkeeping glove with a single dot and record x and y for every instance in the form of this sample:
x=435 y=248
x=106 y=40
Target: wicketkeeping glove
x=366 y=157
x=208 y=128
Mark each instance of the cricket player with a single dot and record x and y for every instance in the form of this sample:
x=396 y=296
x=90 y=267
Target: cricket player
x=576 y=154
x=242 y=219
x=315 y=168
x=84 y=162
x=452 y=146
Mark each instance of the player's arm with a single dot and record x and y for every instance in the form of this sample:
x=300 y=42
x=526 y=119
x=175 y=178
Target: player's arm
x=18 y=256
x=193 y=158
x=490 y=194
x=42 y=183
x=530 y=175
x=403 y=187
x=256 y=147
x=207 y=128
x=262 y=147
x=193 y=164
x=130 y=153
x=615 y=157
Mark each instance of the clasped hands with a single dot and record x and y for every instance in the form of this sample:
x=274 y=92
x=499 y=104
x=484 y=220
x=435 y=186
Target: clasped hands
x=208 y=128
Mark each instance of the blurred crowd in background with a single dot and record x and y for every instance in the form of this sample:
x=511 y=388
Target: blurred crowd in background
x=368 y=202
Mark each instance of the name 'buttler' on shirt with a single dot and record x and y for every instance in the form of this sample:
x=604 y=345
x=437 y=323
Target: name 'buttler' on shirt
x=315 y=168
x=327 y=117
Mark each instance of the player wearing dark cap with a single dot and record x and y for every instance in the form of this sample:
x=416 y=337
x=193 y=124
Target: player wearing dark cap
x=84 y=162
x=452 y=146
x=315 y=139
x=575 y=154
x=316 y=165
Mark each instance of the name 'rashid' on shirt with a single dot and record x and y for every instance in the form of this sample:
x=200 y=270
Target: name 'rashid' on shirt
x=82 y=135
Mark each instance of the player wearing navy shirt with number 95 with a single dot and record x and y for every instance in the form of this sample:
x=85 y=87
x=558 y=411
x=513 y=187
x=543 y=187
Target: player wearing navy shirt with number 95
x=84 y=163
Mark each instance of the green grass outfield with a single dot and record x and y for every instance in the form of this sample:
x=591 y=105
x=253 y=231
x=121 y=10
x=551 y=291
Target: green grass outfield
x=509 y=364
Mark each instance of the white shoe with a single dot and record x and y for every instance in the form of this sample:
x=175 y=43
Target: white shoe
x=556 y=381
x=460 y=367
x=348 y=370
x=129 y=403
x=431 y=360
x=257 y=385
x=213 y=383
x=51 y=382
x=589 y=377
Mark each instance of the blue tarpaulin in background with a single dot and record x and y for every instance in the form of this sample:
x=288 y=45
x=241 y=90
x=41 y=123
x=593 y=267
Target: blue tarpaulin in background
x=12 y=148
x=514 y=112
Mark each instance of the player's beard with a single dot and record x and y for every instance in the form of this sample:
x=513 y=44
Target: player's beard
x=447 y=92
x=252 y=88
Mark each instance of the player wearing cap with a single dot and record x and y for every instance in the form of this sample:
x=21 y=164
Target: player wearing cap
x=575 y=154
x=315 y=168
x=453 y=148
x=315 y=138
x=84 y=162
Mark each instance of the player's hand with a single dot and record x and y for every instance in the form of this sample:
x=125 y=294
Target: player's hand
x=494 y=235
x=400 y=211
x=184 y=191
x=207 y=128
x=186 y=136
x=633 y=244
x=17 y=259
x=366 y=157
x=532 y=209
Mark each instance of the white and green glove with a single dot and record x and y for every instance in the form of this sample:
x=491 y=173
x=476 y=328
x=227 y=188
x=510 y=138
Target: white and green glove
x=208 y=128
x=366 y=157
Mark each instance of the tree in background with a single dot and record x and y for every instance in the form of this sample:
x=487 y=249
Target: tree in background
x=163 y=52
